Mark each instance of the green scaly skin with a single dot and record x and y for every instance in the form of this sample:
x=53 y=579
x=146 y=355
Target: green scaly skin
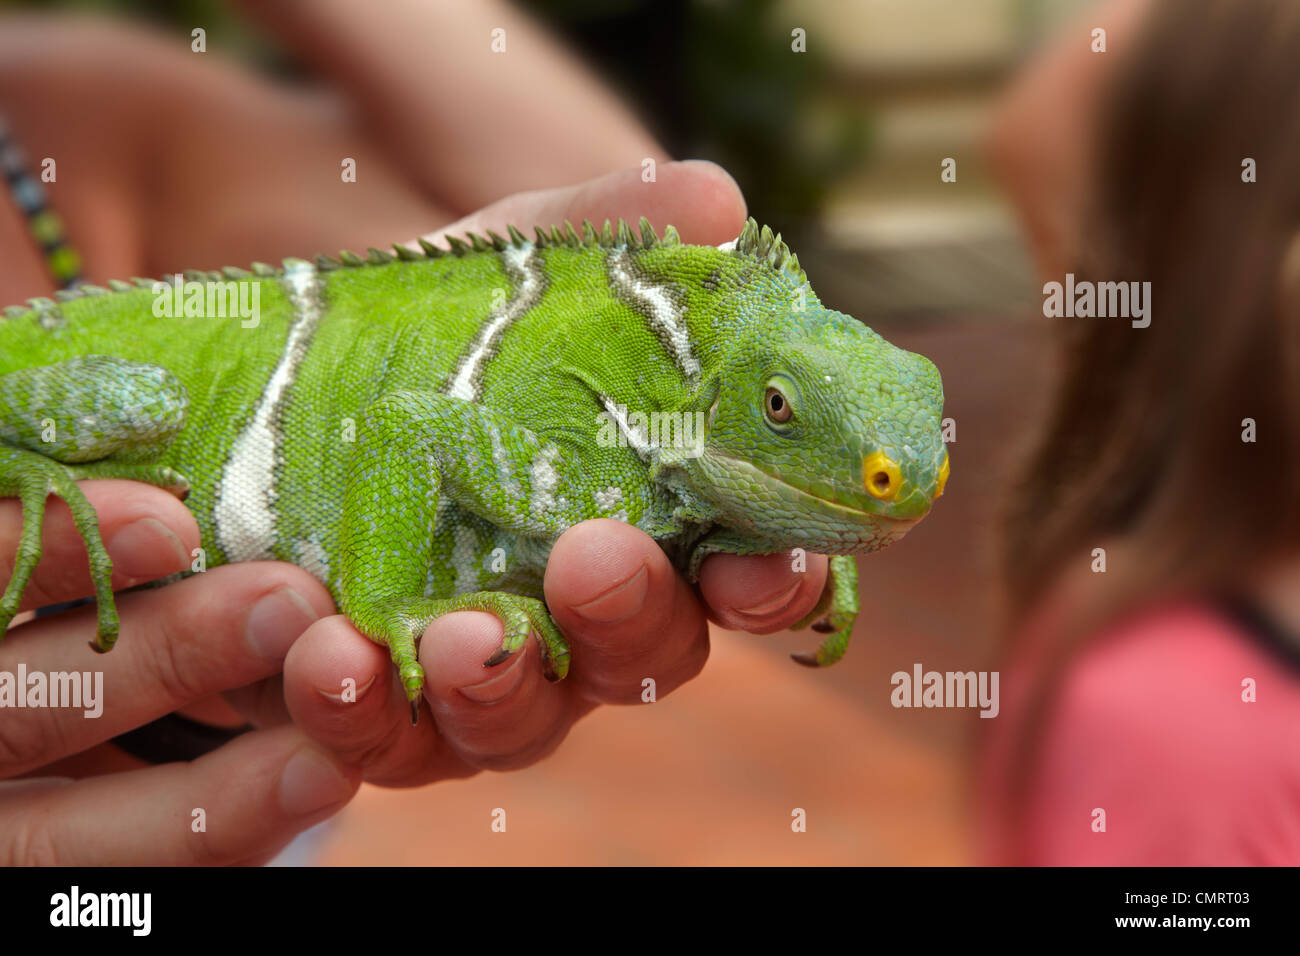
x=416 y=429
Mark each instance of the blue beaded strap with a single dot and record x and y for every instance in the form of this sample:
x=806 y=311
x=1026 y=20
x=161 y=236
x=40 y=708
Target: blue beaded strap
x=46 y=228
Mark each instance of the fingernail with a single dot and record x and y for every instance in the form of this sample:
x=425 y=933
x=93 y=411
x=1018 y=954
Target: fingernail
x=277 y=620
x=772 y=605
x=618 y=603
x=503 y=682
x=147 y=549
x=310 y=783
x=356 y=695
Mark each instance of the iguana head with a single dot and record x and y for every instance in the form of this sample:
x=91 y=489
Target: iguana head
x=820 y=432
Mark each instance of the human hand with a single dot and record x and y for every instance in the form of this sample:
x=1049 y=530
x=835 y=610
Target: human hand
x=226 y=628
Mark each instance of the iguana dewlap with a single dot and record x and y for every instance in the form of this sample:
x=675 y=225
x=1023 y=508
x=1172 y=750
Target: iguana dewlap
x=417 y=429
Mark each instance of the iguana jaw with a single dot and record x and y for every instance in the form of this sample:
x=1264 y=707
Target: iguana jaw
x=843 y=515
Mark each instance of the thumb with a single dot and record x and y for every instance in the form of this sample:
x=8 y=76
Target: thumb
x=699 y=198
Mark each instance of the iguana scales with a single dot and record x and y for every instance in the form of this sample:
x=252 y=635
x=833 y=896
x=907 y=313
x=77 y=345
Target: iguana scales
x=417 y=428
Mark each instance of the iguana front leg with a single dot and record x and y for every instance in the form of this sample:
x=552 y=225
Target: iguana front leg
x=836 y=609
x=412 y=449
x=61 y=423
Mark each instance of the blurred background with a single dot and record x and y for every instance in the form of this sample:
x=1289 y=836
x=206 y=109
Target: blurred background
x=840 y=149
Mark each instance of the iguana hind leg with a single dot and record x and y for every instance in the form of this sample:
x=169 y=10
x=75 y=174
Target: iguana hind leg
x=89 y=408
x=61 y=423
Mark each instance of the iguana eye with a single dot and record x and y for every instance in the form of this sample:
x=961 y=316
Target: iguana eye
x=776 y=406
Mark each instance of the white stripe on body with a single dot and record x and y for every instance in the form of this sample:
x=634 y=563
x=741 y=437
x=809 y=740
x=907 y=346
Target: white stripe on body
x=525 y=272
x=245 y=508
x=658 y=308
x=635 y=437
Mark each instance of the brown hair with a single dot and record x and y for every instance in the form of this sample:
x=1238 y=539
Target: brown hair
x=1144 y=444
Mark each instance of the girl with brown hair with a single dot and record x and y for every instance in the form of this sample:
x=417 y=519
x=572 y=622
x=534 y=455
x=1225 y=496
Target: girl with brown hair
x=1151 y=710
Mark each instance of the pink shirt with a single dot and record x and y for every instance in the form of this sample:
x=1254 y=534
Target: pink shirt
x=1149 y=725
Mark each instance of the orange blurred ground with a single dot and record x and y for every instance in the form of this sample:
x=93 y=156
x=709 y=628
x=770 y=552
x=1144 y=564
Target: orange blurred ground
x=711 y=774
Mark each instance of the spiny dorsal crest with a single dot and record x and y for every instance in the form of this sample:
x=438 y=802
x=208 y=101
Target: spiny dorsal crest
x=755 y=242
x=761 y=244
x=609 y=236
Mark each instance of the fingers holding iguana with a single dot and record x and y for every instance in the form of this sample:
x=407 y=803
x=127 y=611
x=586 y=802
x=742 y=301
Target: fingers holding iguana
x=342 y=690
x=624 y=610
x=638 y=618
x=627 y=613
x=148 y=532
x=252 y=795
x=762 y=594
x=225 y=628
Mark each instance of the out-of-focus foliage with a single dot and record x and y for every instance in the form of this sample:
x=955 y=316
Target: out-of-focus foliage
x=719 y=79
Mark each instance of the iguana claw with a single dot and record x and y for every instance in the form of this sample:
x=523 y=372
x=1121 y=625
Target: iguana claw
x=499 y=656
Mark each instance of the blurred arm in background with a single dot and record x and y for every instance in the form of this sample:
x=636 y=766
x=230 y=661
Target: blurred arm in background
x=169 y=159
x=463 y=123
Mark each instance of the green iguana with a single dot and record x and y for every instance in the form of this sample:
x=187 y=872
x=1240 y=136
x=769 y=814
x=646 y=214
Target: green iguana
x=416 y=429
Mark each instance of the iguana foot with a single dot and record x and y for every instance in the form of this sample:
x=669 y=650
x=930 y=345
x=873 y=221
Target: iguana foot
x=401 y=624
x=834 y=615
x=30 y=478
x=530 y=614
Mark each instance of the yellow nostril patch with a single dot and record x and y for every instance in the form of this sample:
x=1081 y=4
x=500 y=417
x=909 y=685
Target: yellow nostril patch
x=881 y=476
x=943 y=476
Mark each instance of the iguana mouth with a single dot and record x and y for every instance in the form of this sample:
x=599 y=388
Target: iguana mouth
x=815 y=502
